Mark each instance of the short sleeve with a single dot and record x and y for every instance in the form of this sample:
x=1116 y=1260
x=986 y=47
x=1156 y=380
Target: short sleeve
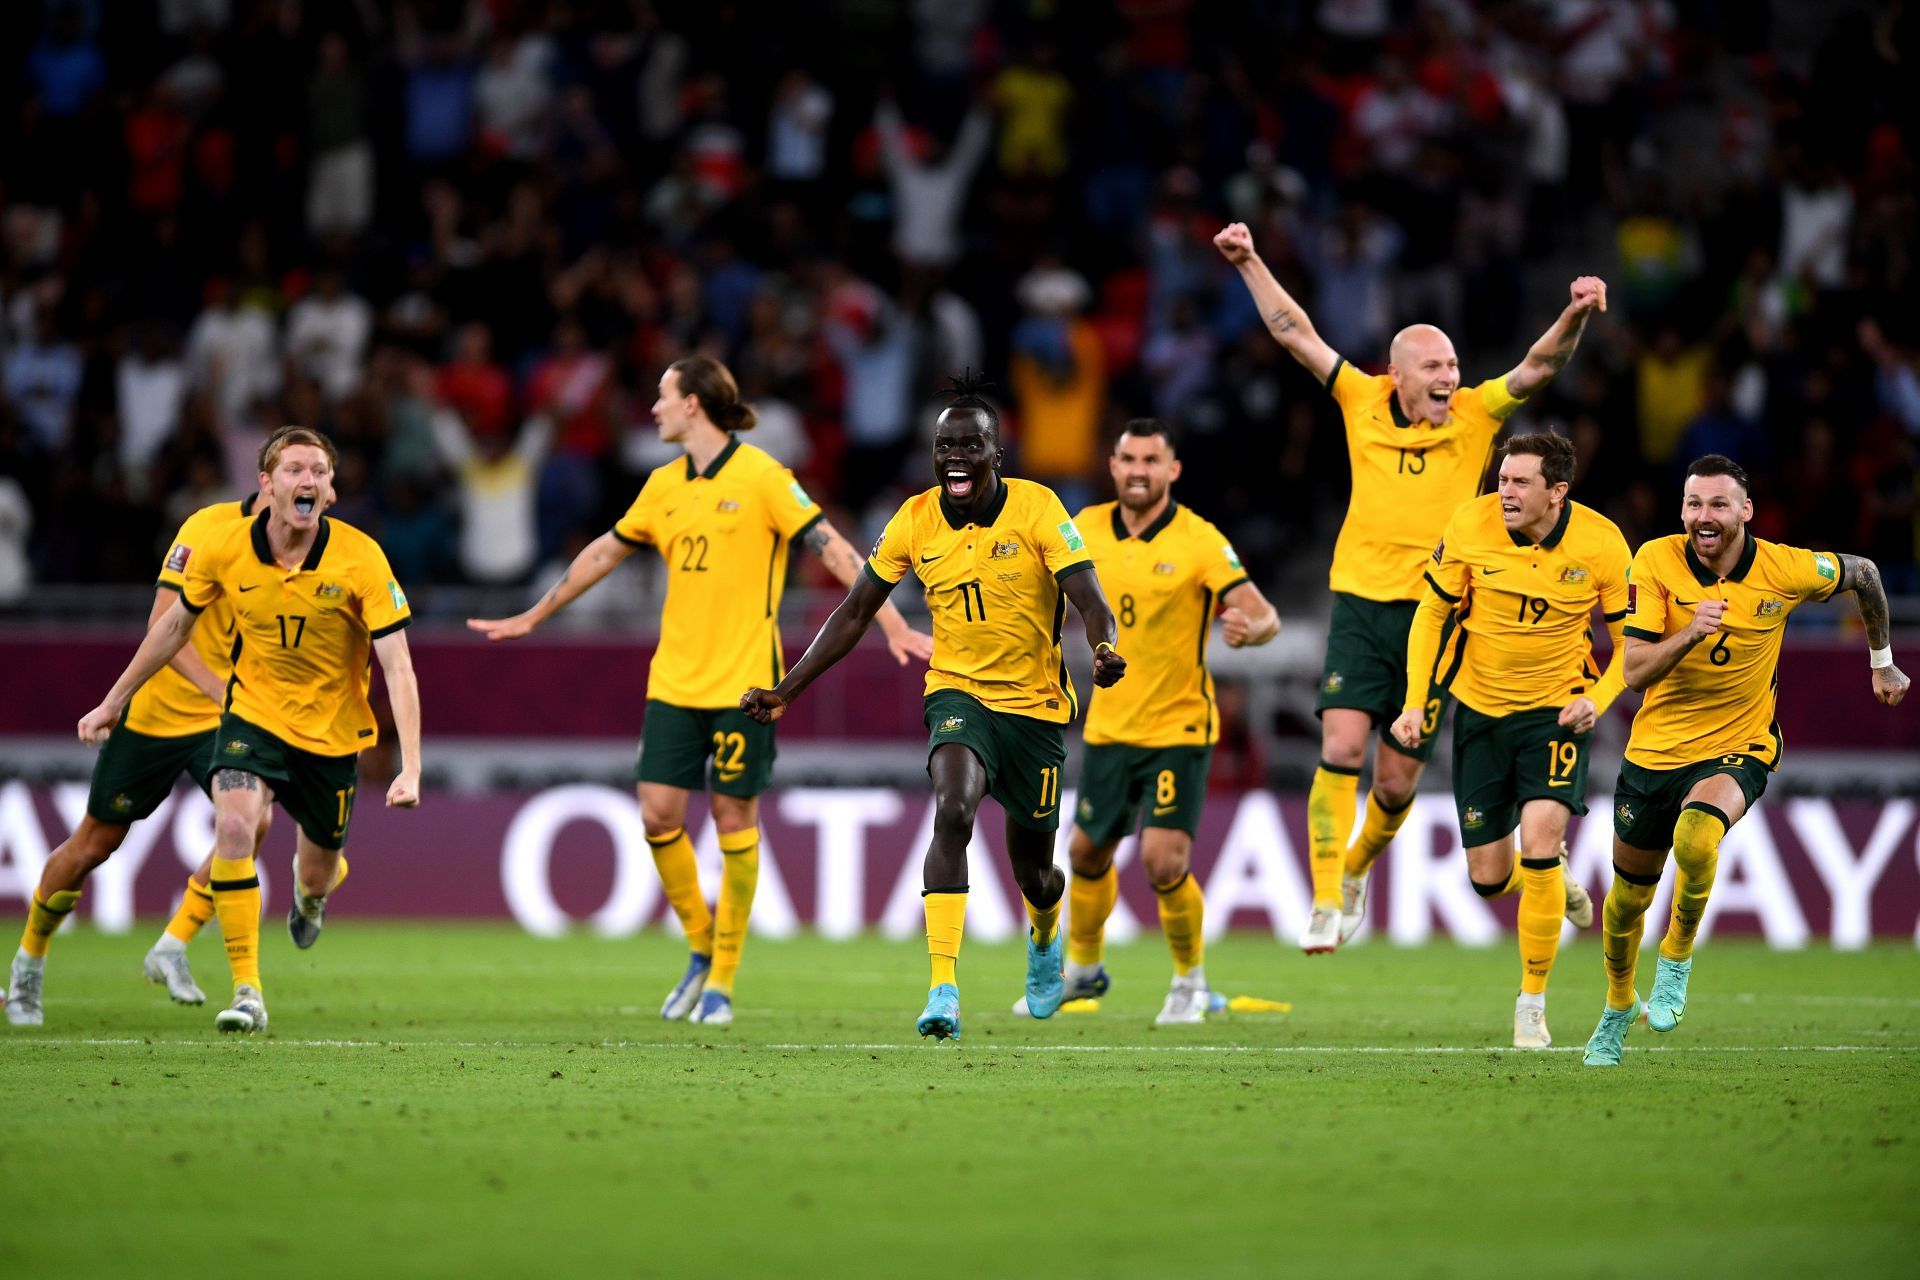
x=892 y=557
x=199 y=570
x=635 y=528
x=1616 y=562
x=1447 y=574
x=1058 y=538
x=1816 y=574
x=1349 y=387
x=191 y=537
x=1221 y=568
x=383 y=605
x=1646 y=600
x=790 y=510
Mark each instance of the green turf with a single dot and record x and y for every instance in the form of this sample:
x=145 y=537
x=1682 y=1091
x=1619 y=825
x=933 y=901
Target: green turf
x=468 y=1101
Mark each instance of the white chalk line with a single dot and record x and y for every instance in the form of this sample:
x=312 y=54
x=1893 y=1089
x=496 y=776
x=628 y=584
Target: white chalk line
x=897 y=1046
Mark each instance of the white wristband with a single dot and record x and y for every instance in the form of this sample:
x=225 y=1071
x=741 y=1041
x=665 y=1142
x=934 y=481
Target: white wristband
x=1880 y=658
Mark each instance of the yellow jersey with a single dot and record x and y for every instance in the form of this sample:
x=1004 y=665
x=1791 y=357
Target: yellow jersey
x=1525 y=639
x=169 y=705
x=1408 y=478
x=1163 y=585
x=303 y=636
x=993 y=588
x=724 y=533
x=1719 y=700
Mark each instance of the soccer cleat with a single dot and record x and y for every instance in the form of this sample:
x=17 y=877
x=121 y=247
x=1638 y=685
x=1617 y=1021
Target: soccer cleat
x=1046 y=982
x=1353 y=904
x=941 y=1018
x=1530 y=1026
x=685 y=996
x=1322 y=932
x=305 y=918
x=716 y=1009
x=1579 y=901
x=1609 y=1040
x=169 y=968
x=23 y=992
x=1186 y=1003
x=248 y=1012
x=1083 y=982
x=1668 y=1003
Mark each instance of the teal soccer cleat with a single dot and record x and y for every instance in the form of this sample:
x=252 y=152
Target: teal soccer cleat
x=1668 y=1003
x=1046 y=977
x=942 y=1017
x=1609 y=1039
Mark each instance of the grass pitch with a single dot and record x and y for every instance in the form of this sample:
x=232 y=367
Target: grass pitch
x=468 y=1101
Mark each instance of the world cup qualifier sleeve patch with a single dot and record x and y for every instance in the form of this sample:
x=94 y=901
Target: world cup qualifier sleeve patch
x=177 y=558
x=1071 y=536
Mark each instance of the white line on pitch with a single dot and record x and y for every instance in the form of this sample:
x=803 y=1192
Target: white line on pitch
x=1324 y=1050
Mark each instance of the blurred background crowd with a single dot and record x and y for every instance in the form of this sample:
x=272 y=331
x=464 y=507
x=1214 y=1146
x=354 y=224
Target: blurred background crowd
x=465 y=237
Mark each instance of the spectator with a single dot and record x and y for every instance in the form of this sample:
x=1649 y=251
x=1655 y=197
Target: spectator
x=1672 y=380
x=476 y=388
x=16 y=522
x=929 y=190
x=499 y=484
x=340 y=181
x=797 y=129
x=1059 y=383
x=65 y=69
x=232 y=355
x=151 y=383
x=876 y=346
x=42 y=380
x=1033 y=97
x=439 y=100
x=327 y=334
x=513 y=94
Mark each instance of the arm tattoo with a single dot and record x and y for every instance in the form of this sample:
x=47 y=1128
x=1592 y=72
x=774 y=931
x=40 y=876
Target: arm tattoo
x=816 y=538
x=1862 y=577
x=1282 y=320
x=235 y=780
x=553 y=592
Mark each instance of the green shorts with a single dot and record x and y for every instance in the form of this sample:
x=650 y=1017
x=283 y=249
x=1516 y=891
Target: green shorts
x=315 y=790
x=1366 y=667
x=1115 y=780
x=1647 y=802
x=1501 y=762
x=136 y=771
x=1023 y=756
x=676 y=741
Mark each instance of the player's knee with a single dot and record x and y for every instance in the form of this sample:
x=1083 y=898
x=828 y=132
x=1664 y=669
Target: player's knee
x=661 y=820
x=1343 y=752
x=953 y=816
x=1392 y=791
x=1166 y=861
x=1696 y=838
x=233 y=833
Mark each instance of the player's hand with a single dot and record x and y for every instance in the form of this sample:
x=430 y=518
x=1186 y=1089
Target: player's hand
x=1580 y=715
x=1235 y=243
x=1108 y=666
x=763 y=706
x=99 y=722
x=910 y=646
x=405 y=791
x=1706 y=618
x=1889 y=685
x=512 y=628
x=1406 y=729
x=1237 y=630
x=1589 y=294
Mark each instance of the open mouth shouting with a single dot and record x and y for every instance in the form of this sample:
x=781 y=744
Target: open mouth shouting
x=957 y=482
x=1708 y=539
x=305 y=503
x=1440 y=401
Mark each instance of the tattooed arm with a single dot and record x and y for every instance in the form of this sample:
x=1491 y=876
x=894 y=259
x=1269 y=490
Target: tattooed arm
x=1862 y=577
x=1286 y=319
x=903 y=642
x=593 y=563
x=1547 y=357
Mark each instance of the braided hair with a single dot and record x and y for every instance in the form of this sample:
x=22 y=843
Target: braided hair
x=968 y=392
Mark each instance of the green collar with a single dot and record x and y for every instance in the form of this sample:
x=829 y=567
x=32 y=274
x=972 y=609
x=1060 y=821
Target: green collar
x=719 y=460
x=1750 y=547
x=1554 y=534
x=958 y=519
x=246 y=503
x=1400 y=419
x=263 y=547
x=1147 y=534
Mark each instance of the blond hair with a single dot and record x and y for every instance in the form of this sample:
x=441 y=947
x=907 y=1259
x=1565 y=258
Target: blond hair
x=277 y=443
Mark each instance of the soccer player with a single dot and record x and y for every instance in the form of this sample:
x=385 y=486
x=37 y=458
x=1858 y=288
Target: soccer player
x=723 y=518
x=310 y=597
x=1150 y=739
x=168 y=729
x=1417 y=442
x=996 y=556
x=1708 y=608
x=1521 y=570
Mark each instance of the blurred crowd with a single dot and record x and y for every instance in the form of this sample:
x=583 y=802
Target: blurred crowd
x=464 y=238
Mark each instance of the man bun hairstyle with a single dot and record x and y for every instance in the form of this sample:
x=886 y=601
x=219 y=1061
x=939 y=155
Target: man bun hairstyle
x=711 y=382
x=969 y=392
x=277 y=443
x=1719 y=464
x=1144 y=427
x=1556 y=454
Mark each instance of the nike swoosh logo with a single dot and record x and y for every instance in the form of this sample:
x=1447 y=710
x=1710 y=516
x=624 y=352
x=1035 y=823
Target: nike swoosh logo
x=1491 y=572
x=930 y=559
x=244 y=590
x=1160 y=813
x=1564 y=782
x=1041 y=813
x=1686 y=604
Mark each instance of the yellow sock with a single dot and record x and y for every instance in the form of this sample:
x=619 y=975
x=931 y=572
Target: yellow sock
x=1543 y=906
x=195 y=909
x=946 y=921
x=680 y=878
x=1329 y=822
x=340 y=876
x=1622 y=919
x=1696 y=857
x=236 y=898
x=1182 y=915
x=1505 y=887
x=43 y=917
x=739 y=876
x=1377 y=831
x=1092 y=902
x=1045 y=920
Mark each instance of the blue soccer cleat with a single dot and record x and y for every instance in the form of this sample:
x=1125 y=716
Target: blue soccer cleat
x=1609 y=1039
x=1090 y=983
x=1046 y=977
x=1668 y=1003
x=716 y=1009
x=941 y=1020
x=685 y=997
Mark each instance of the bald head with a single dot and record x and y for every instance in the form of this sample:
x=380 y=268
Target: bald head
x=1425 y=372
x=1416 y=342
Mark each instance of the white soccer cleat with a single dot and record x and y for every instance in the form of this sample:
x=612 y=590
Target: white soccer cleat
x=1530 y=1025
x=247 y=1013
x=1322 y=933
x=1579 y=901
x=1353 y=904
x=169 y=969
x=716 y=1009
x=1187 y=1002
x=23 y=991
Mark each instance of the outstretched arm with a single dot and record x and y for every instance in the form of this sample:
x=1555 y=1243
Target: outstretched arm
x=1286 y=319
x=903 y=642
x=1090 y=602
x=1547 y=357
x=1862 y=577
x=841 y=631
x=164 y=639
x=595 y=561
x=403 y=693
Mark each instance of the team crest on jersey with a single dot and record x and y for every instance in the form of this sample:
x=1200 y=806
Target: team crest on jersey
x=727 y=505
x=952 y=724
x=1623 y=811
x=1167 y=569
x=236 y=747
x=1086 y=808
x=177 y=558
x=1473 y=818
x=1335 y=682
x=330 y=591
x=121 y=803
x=1769 y=608
x=1006 y=550
x=1573 y=573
